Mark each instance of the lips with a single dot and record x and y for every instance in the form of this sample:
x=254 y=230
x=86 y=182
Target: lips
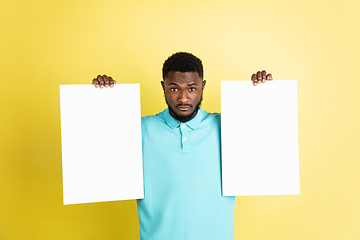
x=183 y=107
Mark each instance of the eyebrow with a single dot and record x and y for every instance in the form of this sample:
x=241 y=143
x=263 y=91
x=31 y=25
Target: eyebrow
x=190 y=84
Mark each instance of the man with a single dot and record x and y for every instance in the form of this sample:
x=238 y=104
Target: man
x=182 y=160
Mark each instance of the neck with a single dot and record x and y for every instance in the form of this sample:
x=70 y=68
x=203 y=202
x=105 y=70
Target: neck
x=183 y=118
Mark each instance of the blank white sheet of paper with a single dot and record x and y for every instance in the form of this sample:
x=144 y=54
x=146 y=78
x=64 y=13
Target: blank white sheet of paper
x=101 y=143
x=259 y=131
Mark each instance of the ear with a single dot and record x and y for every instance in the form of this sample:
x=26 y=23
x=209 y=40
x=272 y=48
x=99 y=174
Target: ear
x=203 y=84
x=163 y=85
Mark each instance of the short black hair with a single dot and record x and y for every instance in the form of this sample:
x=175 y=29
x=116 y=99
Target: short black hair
x=183 y=62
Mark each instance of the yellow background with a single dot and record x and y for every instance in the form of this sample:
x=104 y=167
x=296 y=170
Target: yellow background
x=47 y=43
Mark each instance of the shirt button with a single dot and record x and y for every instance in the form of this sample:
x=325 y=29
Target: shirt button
x=183 y=126
x=184 y=138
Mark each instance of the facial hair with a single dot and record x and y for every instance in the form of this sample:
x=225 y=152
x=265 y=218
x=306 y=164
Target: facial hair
x=186 y=117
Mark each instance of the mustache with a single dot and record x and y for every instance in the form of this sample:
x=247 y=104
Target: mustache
x=184 y=105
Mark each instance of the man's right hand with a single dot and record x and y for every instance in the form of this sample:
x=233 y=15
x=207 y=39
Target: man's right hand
x=261 y=77
x=103 y=81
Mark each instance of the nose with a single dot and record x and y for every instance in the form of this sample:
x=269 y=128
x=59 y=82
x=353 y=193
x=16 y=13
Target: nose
x=183 y=97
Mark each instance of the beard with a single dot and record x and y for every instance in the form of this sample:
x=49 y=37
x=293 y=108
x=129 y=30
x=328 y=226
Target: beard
x=184 y=118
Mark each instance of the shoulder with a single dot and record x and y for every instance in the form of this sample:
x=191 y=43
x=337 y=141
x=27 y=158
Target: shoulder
x=210 y=118
x=207 y=115
x=153 y=119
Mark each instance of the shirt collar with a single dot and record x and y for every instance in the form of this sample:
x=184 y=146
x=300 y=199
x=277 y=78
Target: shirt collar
x=193 y=123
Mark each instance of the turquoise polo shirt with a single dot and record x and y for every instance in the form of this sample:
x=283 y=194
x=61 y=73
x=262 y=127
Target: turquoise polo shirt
x=182 y=180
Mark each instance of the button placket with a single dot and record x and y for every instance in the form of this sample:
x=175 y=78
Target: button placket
x=185 y=137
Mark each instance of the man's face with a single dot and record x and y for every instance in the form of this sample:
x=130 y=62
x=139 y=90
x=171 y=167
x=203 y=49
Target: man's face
x=183 y=94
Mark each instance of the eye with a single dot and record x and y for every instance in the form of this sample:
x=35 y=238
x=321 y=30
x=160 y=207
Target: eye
x=192 y=89
x=173 y=89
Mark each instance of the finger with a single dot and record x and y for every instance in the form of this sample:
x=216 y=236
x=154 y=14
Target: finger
x=101 y=81
x=95 y=82
x=259 y=77
x=263 y=76
x=106 y=80
x=111 y=81
x=254 y=79
x=269 y=77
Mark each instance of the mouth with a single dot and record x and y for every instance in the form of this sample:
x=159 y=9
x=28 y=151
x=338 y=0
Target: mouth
x=183 y=107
